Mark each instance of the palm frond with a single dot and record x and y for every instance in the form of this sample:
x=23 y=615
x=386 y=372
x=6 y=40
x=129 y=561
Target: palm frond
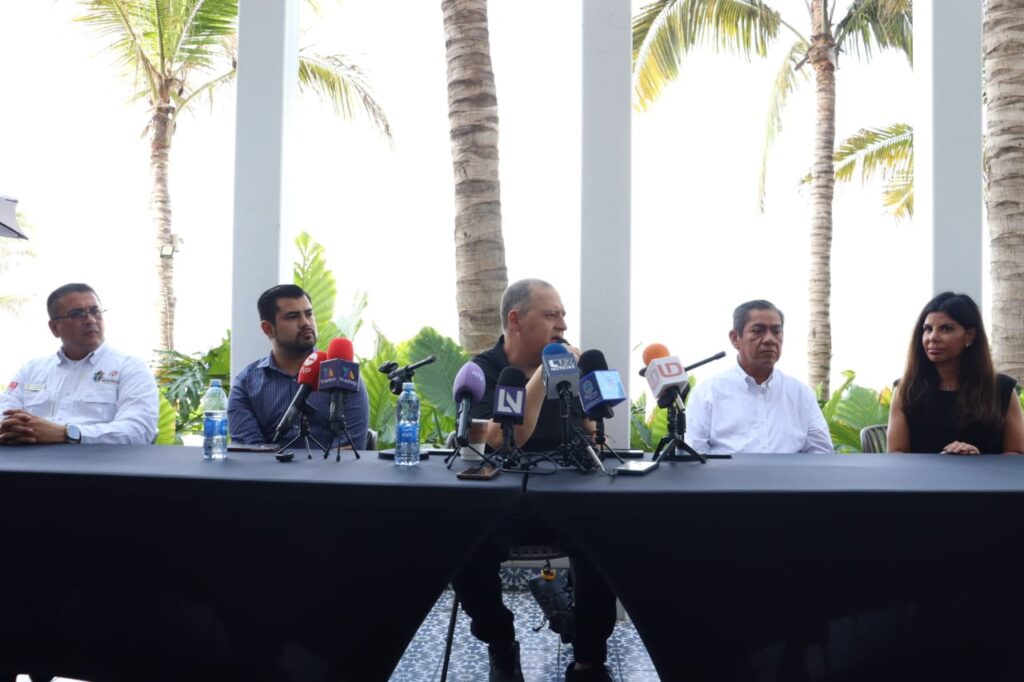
x=666 y=30
x=898 y=195
x=785 y=84
x=344 y=85
x=200 y=27
x=885 y=24
x=887 y=151
x=126 y=24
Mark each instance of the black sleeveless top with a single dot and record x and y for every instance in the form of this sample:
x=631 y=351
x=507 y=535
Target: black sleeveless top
x=933 y=424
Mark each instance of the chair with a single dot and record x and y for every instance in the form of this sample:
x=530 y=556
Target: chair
x=872 y=438
x=542 y=555
x=371 y=440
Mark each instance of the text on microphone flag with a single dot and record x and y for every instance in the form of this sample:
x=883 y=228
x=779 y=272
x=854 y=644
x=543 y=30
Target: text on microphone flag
x=509 y=401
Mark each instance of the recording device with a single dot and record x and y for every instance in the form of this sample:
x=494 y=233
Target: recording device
x=600 y=388
x=400 y=375
x=467 y=389
x=636 y=467
x=481 y=473
x=560 y=373
x=554 y=594
x=309 y=375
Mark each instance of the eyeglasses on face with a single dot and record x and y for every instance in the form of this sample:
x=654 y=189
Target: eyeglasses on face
x=79 y=314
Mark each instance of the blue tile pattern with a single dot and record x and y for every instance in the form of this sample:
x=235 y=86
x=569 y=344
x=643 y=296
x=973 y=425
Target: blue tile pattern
x=543 y=656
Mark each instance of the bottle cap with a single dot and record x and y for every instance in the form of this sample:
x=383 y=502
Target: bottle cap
x=215 y=383
x=407 y=386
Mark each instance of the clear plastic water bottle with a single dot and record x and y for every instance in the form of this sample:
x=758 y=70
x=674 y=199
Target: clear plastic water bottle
x=215 y=422
x=407 y=447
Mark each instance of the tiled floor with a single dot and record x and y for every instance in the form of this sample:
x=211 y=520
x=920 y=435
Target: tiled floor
x=544 y=657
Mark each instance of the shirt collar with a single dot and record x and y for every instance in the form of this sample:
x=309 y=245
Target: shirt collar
x=92 y=358
x=270 y=364
x=749 y=380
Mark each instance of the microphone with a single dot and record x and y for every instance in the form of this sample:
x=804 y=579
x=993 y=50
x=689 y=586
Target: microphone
x=339 y=376
x=468 y=388
x=510 y=396
x=600 y=388
x=560 y=373
x=654 y=350
x=509 y=404
x=309 y=375
x=666 y=376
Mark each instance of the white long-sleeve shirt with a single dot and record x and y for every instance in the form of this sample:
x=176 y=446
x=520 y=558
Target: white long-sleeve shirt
x=731 y=413
x=111 y=397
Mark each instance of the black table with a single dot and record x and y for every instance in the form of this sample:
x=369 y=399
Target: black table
x=882 y=566
x=151 y=563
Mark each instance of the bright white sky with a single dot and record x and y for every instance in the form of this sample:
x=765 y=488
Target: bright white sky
x=71 y=152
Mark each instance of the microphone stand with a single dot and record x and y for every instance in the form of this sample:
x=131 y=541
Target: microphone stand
x=304 y=433
x=338 y=427
x=602 y=443
x=458 y=451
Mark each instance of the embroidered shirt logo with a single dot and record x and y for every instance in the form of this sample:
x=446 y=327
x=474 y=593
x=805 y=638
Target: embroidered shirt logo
x=11 y=386
x=98 y=376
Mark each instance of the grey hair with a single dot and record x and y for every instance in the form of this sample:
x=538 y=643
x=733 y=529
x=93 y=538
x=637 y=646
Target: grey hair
x=741 y=315
x=517 y=297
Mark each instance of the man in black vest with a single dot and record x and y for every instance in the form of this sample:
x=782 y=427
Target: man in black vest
x=532 y=316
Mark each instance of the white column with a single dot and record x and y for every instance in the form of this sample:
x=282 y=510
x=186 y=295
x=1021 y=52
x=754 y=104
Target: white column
x=266 y=84
x=605 y=214
x=948 y=140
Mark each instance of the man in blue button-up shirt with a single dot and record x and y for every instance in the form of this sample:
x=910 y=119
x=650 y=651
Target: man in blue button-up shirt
x=261 y=392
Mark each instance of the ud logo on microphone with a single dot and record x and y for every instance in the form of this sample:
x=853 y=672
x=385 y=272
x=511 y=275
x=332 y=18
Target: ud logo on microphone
x=670 y=369
x=509 y=401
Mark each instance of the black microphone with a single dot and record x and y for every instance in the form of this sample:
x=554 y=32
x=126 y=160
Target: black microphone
x=509 y=403
x=309 y=376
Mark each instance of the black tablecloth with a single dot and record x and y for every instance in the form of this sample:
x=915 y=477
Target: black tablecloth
x=149 y=562
x=876 y=565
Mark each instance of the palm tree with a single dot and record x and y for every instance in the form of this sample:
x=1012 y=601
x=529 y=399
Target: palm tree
x=666 y=30
x=178 y=52
x=480 y=272
x=1002 y=36
x=888 y=151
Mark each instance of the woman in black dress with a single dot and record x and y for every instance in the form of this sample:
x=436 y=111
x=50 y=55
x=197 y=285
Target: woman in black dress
x=950 y=398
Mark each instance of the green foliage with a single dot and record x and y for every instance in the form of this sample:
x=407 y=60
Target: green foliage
x=310 y=272
x=183 y=379
x=646 y=431
x=166 y=427
x=852 y=408
x=350 y=324
x=382 y=401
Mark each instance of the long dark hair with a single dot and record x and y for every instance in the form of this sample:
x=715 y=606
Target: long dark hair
x=977 y=402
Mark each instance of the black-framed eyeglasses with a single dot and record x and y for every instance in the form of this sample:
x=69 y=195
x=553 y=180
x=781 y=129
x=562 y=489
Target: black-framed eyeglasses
x=79 y=314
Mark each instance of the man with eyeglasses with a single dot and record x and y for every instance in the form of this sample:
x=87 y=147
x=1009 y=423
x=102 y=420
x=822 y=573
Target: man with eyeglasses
x=86 y=392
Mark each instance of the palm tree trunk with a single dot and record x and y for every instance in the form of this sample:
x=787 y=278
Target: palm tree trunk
x=1003 y=49
x=819 y=335
x=480 y=272
x=160 y=205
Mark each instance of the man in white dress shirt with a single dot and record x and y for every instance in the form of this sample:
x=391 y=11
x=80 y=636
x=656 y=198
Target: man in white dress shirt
x=753 y=407
x=86 y=392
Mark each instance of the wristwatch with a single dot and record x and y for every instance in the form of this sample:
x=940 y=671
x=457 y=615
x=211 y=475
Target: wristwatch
x=72 y=434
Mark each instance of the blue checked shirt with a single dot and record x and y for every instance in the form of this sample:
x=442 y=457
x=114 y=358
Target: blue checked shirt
x=261 y=393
